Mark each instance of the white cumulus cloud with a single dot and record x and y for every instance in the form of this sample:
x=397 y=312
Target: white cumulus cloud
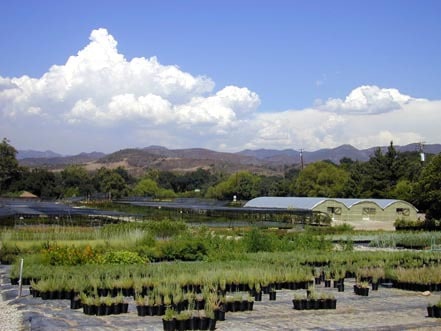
x=368 y=100
x=99 y=100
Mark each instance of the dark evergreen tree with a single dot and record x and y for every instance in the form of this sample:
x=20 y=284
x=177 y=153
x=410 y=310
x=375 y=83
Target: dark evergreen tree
x=9 y=168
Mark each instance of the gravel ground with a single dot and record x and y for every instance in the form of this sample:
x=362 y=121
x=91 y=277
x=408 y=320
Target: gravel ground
x=10 y=317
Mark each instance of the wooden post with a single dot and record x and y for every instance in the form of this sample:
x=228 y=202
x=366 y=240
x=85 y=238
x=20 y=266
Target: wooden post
x=20 y=280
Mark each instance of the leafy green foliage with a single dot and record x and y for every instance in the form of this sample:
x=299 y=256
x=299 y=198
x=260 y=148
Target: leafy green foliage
x=258 y=241
x=76 y=180
x=9 y=168
x=428 y=189
x=112 y=182
x=8 y=253
x=305 y=241
x=243 y=185
x=200 y=179
x=321 y=179
x=337 y=229
x=122 y=257
x=182 y=249
x=148 y=187
x=70 y=255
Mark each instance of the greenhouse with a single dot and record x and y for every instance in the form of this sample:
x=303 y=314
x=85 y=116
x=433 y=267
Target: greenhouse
x=343 y=209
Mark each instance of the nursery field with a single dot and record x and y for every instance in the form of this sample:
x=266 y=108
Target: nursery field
x=385 y=309
x=165 y=275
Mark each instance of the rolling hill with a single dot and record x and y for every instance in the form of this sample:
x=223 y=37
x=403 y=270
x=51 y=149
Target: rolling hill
x=265 y=161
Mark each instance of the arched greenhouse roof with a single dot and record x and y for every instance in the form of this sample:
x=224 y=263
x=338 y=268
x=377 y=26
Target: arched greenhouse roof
x=311 y=203
x=285 y=202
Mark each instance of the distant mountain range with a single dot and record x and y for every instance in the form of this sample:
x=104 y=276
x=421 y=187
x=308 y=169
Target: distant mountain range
x=267 y=161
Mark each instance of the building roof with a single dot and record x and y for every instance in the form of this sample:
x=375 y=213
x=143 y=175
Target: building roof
x=284 y=202
x=28 y=195
x=311 y=203
x=19 y=207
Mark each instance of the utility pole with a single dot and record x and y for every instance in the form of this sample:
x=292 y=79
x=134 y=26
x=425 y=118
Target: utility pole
x=301 y=159
x=422 y=155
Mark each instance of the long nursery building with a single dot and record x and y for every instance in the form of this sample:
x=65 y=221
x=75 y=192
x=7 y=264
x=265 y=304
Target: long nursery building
x=343 y=209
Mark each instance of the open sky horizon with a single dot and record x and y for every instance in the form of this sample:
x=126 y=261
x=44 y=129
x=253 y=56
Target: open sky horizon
x=226 y=75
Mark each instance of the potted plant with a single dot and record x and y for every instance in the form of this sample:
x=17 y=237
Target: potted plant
x=361 y=288
x=375 y=283
x=327 y=274
x=89 y=304
x=182 y=320
x=317 y=276
x=75 y=302
x=250 y=302
x=223 y=285
x=169 y=319
x=121 y=306
x=141 y=305
x=330 y=302
x=229 y=303
x=237 y=301
x=109 y=304
x=272 y=293
x=257 y=292
x=211 y=320
x=313 y=302
x=299 y=301
x=437 y=309
x=430 y=310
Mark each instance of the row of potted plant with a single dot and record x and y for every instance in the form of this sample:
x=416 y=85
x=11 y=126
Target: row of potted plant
x=94 y=305
x=188 y=320
x=361 y=288
x=271 y=268
x=314 y=300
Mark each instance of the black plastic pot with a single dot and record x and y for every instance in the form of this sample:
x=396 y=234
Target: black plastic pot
x=219 y=314
x=272 y=295
x=169 y=325
x=75 y=303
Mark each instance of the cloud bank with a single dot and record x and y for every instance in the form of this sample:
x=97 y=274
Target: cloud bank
x=99 y=100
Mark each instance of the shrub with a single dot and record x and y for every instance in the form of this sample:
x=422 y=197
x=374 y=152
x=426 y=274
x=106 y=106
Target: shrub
x=122 y=257
x=258 y=241
x=70 y=255
x=184 y=249
x=8 y=253
x=306 y=241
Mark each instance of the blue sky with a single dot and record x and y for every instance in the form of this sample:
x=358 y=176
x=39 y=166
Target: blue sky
x=264 y=74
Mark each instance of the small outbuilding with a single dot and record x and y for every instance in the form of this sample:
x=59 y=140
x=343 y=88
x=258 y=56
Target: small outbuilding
x=27 y=195
x=350 y=210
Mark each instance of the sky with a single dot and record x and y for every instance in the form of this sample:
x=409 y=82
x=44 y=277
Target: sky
x=104 y=75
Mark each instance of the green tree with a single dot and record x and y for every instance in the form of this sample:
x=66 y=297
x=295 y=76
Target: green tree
x=9 y=167
x=428 y=189
x=273 y=186
x=76 y=181
x=242 y=184
x=148 y=187
x=185 y=182
x=321 y=179
x=403 y=191
x=112 y=182
x=128 y=179
x=380 y=173
x=42 y=183
x=408 y=166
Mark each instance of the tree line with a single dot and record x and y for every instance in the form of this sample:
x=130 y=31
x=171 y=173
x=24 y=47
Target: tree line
x=390 y=174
